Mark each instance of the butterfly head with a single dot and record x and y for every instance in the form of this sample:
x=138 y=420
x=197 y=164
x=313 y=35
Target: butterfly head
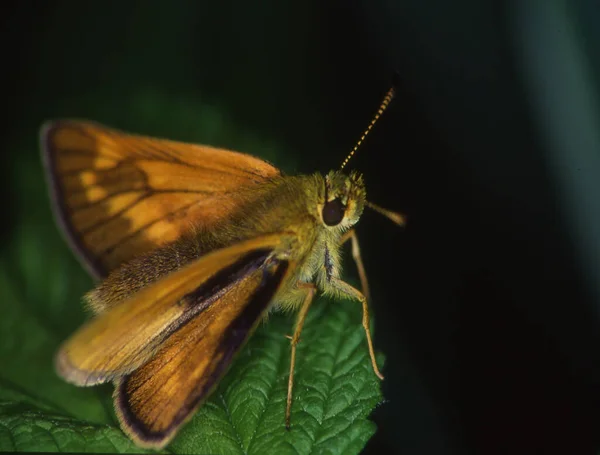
x=344 y=200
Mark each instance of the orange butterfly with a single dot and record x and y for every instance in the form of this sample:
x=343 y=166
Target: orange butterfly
x=194 y=245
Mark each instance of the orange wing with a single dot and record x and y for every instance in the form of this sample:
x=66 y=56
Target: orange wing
x=125 y=336
x=154 y=401
x=169 y=344
x=118 y=195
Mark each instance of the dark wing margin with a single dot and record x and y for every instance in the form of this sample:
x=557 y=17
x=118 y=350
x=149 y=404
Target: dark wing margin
x=89 y=261
x=130 y=388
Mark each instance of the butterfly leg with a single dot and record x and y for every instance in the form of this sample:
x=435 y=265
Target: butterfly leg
x=354 y=293
x=311 y=290
x=351 y=235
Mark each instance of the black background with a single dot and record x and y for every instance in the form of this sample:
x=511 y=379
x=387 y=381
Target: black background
x=486 y=304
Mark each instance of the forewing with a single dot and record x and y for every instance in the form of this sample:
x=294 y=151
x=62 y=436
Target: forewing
x=119 y=195
x=124 y=337
x=155 y=400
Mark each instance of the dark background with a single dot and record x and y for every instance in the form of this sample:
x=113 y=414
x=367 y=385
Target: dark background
x=486 y=305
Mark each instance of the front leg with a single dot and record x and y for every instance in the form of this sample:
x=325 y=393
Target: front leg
x=354 y=293
x=311 y=290
x=351 y=235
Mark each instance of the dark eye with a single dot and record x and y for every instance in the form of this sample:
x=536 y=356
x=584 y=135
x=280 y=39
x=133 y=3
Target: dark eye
x=333 y=212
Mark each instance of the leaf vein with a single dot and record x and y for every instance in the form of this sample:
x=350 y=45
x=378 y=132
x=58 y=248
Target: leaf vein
x=280 y=357
x=235 y=432
x=338 y=348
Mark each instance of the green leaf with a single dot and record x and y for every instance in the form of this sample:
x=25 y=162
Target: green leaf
x=335 y=390
x=27 y=428
x=41 y=285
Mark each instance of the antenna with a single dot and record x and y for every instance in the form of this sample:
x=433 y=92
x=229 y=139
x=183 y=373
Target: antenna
x=384 y=104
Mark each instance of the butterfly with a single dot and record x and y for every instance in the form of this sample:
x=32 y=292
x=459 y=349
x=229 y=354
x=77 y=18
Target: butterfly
x=192 y=246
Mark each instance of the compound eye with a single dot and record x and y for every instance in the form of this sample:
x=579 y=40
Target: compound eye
x=333 y=212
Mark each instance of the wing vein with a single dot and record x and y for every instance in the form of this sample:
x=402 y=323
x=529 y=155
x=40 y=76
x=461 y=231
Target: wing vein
x=132 y=234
